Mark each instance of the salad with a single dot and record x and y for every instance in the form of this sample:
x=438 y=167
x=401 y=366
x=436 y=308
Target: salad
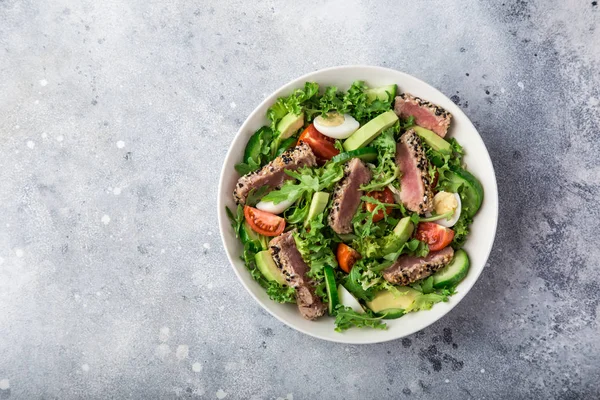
x=355 y=204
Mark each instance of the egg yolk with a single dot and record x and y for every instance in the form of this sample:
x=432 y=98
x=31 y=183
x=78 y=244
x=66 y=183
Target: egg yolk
x=444 y=202
x=332 y=119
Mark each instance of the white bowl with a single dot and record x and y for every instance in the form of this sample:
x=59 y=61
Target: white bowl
x=478 y=245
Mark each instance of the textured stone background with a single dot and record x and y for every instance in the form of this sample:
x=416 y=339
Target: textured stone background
x=114 y=119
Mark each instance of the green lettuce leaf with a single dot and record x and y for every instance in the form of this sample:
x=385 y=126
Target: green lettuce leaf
x=347 y=318
x=315 y=247
x=281 y=293
x=386 y=170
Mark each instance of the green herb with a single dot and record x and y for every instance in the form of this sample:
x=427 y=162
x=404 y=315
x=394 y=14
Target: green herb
x=449 y=291
x=332 y=100
x=413 y=247
x=281 y=293
x=347 y=318
x=426 y=301
x=354 y=284
x=406 y=123
x=299 y=211
x=237 y=219
x=363 y=224
x=293 y=103
x=248 y=256
x=380 y=205
x=447 y=215
x=255 y=195
x=360 y=108
x=386 y=170
x=315 y=247
x=461 y=231
x=308 y=180
x=427 y=285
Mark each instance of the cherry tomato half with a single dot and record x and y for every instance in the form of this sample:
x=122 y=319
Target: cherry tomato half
x=346 y=257
x=263 y=222
x=436 y=236
x=321 y=145
x=384 y=196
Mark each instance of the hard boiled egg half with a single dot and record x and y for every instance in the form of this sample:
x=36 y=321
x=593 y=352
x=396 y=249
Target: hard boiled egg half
x=336 y=125
x=273 y=208
x=444 y=203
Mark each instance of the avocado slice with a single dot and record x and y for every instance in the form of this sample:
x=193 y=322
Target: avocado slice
x=402 y=232
x=433 y=140
x=404 y=228
x=369 y=131
x=290 y=124
x=392 y=306
x=317 y=206
x=382 y=93
x=268 y=268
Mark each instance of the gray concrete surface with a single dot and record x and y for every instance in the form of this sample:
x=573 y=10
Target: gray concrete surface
x=114 y=119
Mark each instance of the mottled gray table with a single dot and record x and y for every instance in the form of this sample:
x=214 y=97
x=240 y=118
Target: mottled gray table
x=114 y=121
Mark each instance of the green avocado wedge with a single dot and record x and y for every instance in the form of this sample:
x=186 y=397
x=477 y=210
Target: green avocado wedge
x=391 y=306
x=369 y=131
x=266 y=265
x=433 y=140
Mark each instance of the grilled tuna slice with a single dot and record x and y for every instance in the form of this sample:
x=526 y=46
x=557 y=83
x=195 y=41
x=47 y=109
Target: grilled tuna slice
x=288 y=259
x=415 y=183
x=273 y=174
x=409 y=269
x=427 y=115
x=346 y=196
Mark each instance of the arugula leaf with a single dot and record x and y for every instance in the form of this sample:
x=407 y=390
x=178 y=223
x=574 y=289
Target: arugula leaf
x=248 y=256
x=363 y=224
x=298 y=212
x=413 y=247
x=255 y=195
x=353 y=282
x=290 y=191
x=281 y=293
x=436 y=217
x=347 y=318
x=308 y=180
x=246 y=168
x=236 y=220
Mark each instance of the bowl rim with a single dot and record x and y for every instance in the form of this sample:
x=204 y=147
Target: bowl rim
x=223 y=220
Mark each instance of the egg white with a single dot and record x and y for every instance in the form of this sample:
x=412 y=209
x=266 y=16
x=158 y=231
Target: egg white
x=342 y=131
x=449 y=223
x=348 y=300
x=273 y=208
